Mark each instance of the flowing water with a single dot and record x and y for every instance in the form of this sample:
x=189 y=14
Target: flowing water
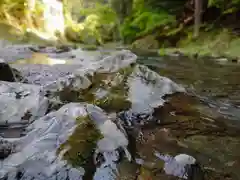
x=205 y=120
x=112 y=117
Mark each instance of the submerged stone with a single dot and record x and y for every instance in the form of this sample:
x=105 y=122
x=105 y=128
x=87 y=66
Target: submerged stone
x=190 y=133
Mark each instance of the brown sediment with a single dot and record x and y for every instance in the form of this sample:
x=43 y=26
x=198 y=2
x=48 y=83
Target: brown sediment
x=183 y=129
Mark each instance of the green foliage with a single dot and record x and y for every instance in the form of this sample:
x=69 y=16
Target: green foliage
x=227 y=7
x=98 y=26
x=214 y=43
x=148 y=16
x=102 y=11
x=19 y=15
x=142 y=23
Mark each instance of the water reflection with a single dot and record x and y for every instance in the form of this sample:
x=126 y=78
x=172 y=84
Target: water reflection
x=214 y=83
x=40 y=58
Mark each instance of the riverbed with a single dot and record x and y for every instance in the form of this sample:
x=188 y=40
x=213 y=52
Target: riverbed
x=150 y=105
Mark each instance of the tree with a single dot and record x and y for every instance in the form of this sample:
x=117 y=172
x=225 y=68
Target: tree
x=197 y=17
x=123 y=8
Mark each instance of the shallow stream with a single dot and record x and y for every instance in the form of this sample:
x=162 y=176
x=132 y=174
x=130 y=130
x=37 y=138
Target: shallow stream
x=152 y=108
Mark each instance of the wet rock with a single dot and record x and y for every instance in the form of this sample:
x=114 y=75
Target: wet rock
x=182 y=165
x=113 y=136
x=81 y=141
x=20 y=103
x=235 y=60
x=67 y=141
x=44 y=73
x=127 y=170
x=13 y=52
x=134 y=88
x=36 y=152
x=45 y=49
x=9 y=74
x=147 y=89
x=187 y=131
x=82 y=144
x=6 y=148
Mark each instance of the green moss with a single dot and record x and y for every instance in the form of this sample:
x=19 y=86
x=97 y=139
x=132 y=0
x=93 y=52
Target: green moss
x=68 y=95
x=82 y=144
x=214 y=43
x=113 y=83
x=126 y=72
x=89 y=47
x=116 y=100
x=114 y=103
x=148 y=42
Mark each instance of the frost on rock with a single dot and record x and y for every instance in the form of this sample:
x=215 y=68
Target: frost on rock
x=20 y=103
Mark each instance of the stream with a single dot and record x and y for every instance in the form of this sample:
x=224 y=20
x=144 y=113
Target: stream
x=115 y=115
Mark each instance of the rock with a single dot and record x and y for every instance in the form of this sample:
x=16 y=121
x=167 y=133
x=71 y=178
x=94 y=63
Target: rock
x=113 y=137
x=6 y=148
x=235 y=60
x=36 y=156
x=146 y=43
x=20 y=103
x=176 y=166
x=13 y=52
x=43 y=49
x=144 y=174
x=192 y=140
x=6 y=72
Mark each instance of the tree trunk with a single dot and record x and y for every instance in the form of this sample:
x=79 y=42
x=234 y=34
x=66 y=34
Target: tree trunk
x=197 y=17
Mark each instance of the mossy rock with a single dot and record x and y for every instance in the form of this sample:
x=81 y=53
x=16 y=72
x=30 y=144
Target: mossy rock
x=114 y=103
x=146 y=43
x=114 y=84
x=81 y=144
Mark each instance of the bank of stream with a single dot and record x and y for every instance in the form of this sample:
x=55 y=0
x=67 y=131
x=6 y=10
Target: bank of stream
x=152 y=109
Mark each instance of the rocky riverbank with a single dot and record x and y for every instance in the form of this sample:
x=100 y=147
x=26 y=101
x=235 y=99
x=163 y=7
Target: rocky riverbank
x=74 y=114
